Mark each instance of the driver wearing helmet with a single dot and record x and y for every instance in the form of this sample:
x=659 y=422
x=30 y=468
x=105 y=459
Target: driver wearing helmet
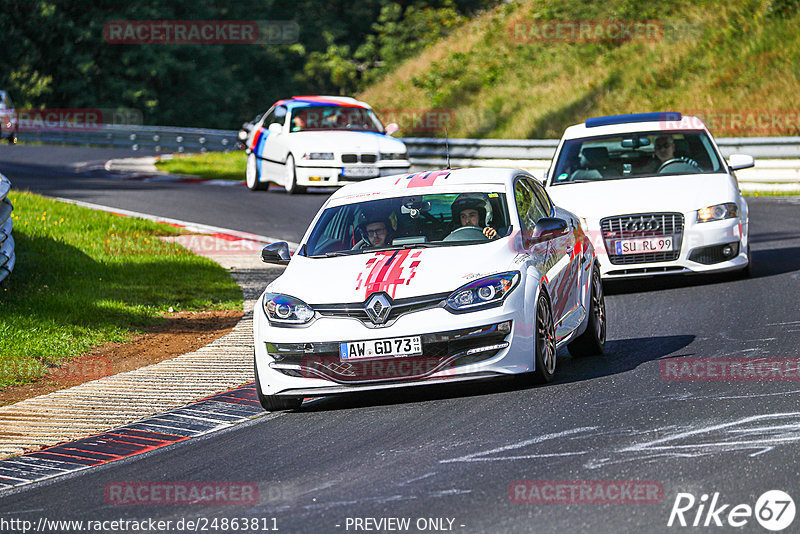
x=471 y=210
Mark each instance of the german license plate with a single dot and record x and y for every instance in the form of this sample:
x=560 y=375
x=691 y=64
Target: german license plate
x=379 y=348
x=645 y=244
x=366 y=171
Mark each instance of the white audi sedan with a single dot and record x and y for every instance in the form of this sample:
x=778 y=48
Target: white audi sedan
x=321 y=140
x=427 y=278
x=654 y=194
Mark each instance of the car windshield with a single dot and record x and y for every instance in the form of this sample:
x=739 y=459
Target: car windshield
x=316 y=118
x=414 y=221
x=636 y=155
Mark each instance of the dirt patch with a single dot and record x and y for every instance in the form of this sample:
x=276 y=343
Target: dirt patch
x=182 y=332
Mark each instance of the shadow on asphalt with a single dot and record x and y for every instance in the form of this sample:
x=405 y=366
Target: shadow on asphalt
x=770 y=262
x=620 y=356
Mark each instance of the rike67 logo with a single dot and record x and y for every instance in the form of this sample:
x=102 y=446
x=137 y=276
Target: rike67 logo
x=774 y=510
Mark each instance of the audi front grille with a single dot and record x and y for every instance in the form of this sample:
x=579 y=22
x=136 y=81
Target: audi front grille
x=640 y=225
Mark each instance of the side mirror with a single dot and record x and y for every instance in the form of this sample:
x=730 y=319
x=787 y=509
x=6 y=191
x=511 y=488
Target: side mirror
x=275 y=128
x=740 y=161
x=547 y=228
x=391 y=128
x=277 y=253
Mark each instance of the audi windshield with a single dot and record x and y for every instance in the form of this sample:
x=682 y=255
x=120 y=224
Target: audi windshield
x=636 y=155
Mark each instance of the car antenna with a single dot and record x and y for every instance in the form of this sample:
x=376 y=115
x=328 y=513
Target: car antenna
x=447 y=147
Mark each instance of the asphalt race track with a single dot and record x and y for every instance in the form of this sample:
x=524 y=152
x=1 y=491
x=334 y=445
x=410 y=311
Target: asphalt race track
x=78 y=173
x=453 y=454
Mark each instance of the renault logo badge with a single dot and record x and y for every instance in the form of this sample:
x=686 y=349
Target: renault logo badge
x=378 y=307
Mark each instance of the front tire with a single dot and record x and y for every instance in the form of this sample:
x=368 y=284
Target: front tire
x=290 y=177
x=748 y=270
x=251 y=174
x=593 y=340
x=274 y=403
x=545 y=349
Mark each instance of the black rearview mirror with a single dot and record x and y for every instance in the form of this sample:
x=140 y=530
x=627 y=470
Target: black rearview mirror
x=277 y=253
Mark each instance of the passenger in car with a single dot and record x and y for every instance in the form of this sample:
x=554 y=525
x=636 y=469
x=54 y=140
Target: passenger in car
x=376 y=232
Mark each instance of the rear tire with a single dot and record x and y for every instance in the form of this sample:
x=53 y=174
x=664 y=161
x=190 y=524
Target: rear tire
x=593 y=340
x=274 y=403
x=251 y=174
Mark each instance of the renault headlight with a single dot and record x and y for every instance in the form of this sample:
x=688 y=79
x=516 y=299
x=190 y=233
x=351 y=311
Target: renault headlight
x=718 y=212
x=483 y=293
x=283 y=309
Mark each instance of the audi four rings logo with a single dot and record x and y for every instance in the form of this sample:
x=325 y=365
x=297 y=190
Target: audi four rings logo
x=638 y=225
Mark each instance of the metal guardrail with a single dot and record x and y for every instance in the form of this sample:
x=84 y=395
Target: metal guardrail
x=777 y=158
x=7 y=256
x=149 y=138
x=420 y=149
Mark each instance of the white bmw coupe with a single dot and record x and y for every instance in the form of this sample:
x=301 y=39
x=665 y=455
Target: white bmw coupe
x=427 y=278
x=654 y=194
x=321 y=140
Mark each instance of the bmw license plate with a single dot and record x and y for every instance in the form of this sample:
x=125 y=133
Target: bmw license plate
x=360 y=172
x=381 y=348
x=645 y=244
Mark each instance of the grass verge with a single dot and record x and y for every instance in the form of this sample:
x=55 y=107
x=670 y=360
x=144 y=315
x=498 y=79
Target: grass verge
x=210 y=166
x=84 y=278
x=771 y=193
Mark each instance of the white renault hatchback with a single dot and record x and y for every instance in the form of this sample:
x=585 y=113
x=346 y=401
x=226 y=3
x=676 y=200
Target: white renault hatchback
x=423 y=279
x=654 y=194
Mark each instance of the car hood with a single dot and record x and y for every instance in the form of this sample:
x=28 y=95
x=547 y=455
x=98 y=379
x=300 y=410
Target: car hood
x=677 y=193
x=339 y=141
x=400 y=273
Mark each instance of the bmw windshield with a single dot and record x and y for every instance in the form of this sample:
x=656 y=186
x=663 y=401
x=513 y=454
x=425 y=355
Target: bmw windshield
x=409 y=222
x=635 y=155
x=319 y=118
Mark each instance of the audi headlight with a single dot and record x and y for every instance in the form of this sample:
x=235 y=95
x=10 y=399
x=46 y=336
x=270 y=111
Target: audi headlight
x=318 y=155
x=392 y=155
x=283 y=309
x=718 y=212
x=483 y=293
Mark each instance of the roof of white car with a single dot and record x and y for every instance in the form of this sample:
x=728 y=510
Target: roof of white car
x=638 y=122
x=428 y=182
x=322 y=100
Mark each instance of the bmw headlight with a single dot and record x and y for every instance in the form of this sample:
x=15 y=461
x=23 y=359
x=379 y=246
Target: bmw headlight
x=483 y=293
x=718 y=212
x=318 y=155
x=392 y=155
x=283 y=309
